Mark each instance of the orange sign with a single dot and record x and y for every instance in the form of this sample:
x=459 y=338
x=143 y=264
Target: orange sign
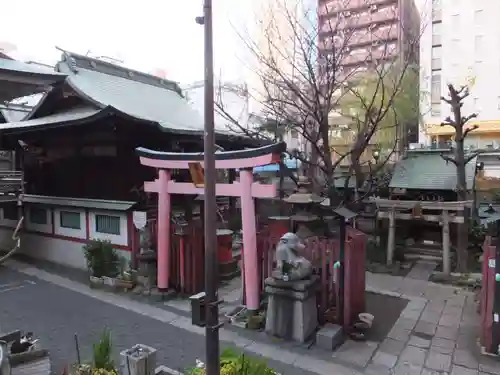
x=197 y=174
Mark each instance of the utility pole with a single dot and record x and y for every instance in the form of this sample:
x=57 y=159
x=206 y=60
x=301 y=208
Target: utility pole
x=211 y=273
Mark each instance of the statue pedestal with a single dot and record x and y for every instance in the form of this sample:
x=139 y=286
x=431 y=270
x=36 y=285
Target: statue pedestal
x=292 y=312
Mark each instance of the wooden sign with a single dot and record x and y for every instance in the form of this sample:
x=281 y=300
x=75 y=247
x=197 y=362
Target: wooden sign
x=197 y=174
x=140 y=219
x=417 y=211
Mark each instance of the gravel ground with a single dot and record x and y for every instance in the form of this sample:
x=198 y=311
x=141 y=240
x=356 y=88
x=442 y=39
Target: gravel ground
x=55 y=314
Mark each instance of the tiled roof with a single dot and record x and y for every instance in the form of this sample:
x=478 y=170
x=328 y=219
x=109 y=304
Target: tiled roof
x=139 y=95
x=427 y=170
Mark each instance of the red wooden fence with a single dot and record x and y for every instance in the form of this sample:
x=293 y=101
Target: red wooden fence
x=187 y=266
x=487 y=294
x=323 y=253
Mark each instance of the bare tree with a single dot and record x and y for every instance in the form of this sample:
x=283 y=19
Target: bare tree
x=460 y=159
x=307 y=69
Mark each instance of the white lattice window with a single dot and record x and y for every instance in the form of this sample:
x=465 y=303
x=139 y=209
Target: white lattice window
x=70 y=222
x=109 y=226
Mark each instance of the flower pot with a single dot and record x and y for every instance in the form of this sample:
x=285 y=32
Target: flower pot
x=96 y=281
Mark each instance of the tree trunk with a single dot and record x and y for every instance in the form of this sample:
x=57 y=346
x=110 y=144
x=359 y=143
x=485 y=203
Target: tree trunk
x=463 y=229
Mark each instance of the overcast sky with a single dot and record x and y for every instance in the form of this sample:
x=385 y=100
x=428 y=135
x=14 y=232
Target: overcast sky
x=146 y=34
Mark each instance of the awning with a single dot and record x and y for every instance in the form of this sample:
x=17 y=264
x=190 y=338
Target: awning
x=69 y=117
x=289 y=163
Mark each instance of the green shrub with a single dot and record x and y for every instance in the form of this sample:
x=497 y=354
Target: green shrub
x=103 y=352
x=102 y=259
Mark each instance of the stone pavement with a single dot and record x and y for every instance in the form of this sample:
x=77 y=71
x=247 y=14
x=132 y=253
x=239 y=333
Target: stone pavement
x=435 y=334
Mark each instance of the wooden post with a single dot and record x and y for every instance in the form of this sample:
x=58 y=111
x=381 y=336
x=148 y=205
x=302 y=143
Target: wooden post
x=391 y=236
x=446 y=242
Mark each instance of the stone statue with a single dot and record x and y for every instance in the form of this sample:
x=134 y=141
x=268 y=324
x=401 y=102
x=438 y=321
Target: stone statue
x=291 y=265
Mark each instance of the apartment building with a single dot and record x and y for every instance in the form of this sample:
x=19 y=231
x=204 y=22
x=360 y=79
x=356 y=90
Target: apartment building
x=459 y=45
x=369 y=30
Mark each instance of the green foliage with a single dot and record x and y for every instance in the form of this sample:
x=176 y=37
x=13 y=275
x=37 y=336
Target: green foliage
x=477 y=234
x=233 y=363
x=392 y=93
x=102 y=259
x=103 y=352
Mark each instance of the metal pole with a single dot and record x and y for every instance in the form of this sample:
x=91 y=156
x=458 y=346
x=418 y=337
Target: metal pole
x=212 y=316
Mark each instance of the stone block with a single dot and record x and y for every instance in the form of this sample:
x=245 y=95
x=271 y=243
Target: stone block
x=413 y=355
x=329 y=337
x=292 y=309
x=438 y=361
x=138 y=360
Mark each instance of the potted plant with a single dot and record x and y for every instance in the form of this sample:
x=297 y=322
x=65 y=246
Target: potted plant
x=102 y=260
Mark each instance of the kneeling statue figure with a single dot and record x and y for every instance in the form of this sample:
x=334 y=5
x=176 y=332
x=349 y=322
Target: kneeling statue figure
x=291 y=265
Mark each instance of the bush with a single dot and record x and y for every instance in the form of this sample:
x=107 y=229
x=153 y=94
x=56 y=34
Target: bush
x=102 y=259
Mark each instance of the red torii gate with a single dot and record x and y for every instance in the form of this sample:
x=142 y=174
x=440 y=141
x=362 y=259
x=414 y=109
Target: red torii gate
x=246 y=189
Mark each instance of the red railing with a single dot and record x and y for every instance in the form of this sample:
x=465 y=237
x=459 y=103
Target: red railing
x=187 y=266
x=488 y=294
x=323 y=253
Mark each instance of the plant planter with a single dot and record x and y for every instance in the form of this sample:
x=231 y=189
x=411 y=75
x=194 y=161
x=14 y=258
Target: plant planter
x=139 y=360
x=96 y=282
x=109 y=281
x=125 y=284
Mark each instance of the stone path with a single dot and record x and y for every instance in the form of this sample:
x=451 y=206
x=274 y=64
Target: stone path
x=422 y=270
x=435 y=334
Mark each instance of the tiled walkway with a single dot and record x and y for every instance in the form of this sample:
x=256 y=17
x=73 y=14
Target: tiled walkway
x=435 y=334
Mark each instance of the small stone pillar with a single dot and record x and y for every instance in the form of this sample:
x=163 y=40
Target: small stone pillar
x=138 y=360
x=292 y=311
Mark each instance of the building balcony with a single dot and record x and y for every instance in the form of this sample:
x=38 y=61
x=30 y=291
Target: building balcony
x=370 y=55
x=376 y=36
x=326 y=7
x=483 y=127
x=358 y=20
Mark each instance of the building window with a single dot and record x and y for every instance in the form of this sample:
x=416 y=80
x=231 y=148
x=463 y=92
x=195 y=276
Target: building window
x=478 y=45
x=38 y=216
x=436 y=10
x=70 y=220
x=436 y=34
x=436 y=94
x=294 y=134
x=479 y=17
x=436 y=58
x=107 y=224
x=10 y=212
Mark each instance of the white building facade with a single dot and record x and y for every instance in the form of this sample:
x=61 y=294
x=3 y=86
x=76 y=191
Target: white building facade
x=460 y=45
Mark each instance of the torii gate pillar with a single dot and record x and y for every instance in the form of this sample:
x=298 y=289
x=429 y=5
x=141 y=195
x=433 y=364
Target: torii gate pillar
x=246 y=189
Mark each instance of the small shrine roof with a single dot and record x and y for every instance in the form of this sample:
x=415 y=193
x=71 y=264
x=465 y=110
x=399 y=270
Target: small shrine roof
x=427 y=170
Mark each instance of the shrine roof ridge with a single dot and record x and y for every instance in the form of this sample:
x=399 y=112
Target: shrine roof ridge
x=276 y=148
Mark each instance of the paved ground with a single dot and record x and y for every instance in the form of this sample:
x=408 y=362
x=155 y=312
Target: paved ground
x=56 y=314
x=436 y=332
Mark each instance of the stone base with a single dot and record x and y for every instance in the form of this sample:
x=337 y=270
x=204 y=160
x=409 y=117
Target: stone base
x=330 y=337
x=292 y=313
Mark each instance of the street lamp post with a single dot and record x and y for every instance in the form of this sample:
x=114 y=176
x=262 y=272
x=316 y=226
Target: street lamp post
x=211 y=299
